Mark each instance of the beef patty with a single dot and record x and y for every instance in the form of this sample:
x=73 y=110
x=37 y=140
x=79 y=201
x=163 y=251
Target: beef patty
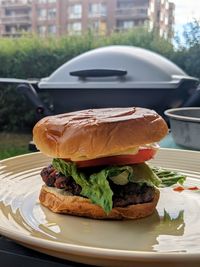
x=123 y=195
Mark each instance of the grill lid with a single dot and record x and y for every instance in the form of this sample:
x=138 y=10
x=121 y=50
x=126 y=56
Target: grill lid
x=117 y=67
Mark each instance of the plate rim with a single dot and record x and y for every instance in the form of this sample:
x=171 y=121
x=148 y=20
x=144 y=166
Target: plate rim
x=95 y=251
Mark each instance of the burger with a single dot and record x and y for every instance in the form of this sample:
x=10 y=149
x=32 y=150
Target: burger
x=99 y=167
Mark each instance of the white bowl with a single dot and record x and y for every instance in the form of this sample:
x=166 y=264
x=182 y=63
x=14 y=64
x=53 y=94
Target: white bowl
x=185 y=126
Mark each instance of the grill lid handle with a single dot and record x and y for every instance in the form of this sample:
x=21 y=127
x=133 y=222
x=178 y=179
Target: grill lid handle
x=98 y=73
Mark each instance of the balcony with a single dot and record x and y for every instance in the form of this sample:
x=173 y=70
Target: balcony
x=15 y=4
x=134 y=13
x=17 y=19
x=15 y=33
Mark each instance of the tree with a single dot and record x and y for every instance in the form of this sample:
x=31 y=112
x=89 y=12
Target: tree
x=191 y=33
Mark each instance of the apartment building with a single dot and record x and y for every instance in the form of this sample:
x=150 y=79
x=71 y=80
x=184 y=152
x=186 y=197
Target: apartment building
x=58 y=17
x=46 y=17
x=104 y=16
x=15 y=17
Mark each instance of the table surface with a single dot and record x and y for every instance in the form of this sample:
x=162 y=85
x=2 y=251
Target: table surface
x=12 y=253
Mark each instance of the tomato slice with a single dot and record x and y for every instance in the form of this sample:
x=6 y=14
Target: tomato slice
x=143 y=155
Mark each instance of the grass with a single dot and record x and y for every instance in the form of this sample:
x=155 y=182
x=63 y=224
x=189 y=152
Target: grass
x=13 y=144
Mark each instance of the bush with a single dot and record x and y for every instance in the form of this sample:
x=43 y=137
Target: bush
x=36 y=57
x=15 y=113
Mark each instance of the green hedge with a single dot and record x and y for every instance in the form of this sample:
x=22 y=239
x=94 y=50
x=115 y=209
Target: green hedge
x=36 y=57
x=39 y=57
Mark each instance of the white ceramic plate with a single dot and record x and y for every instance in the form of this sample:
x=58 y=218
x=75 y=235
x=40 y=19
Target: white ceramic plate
x=170 y=239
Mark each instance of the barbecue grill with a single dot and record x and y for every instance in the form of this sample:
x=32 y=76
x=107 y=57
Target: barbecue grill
x=114 y=76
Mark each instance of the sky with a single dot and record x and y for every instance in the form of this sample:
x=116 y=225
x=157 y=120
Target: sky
x=185 y=11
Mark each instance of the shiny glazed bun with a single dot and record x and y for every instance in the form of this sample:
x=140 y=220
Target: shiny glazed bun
x=93 y=133
x=80 y=206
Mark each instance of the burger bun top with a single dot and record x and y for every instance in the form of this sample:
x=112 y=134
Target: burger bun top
x=94 y=133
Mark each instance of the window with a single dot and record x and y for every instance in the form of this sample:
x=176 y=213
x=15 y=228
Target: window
x=42 y=1
x=8 y=12
x=98 y=26
x=52 y=29
x=143 y=11
x=51 y=1
x=125 y=24
x=75 y=11
x=22 y=1
x=24 y=29
x=41 y=30
x=166 y=21
x=125 y=4
x=161 y=16
x=128 y=24
x=42 y=13
x=74 y=27
x=8 y=28
x=94 y=25
x=52 y=13
x=97 y=9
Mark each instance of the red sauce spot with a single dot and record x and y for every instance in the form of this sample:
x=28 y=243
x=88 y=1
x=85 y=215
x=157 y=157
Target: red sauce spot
x=179 y=188
x=193 y=188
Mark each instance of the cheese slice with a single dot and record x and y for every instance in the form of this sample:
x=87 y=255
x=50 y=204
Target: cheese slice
x=130 y=151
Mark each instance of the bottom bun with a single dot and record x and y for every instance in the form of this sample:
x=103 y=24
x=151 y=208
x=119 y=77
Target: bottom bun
x=80 y=206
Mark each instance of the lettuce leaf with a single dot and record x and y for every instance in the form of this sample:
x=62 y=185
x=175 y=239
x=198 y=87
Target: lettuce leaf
x=143 y=174
x=96 y=187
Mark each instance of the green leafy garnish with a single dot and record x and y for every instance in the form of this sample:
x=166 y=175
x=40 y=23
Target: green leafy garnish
x=168 y=177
